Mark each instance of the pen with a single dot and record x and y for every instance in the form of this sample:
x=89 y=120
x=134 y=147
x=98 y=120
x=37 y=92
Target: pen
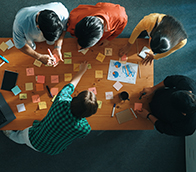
x=142 y=95
x=49 y=91
x=113 y=110
x=133 y=113
x=4 y=59
x=50 y=52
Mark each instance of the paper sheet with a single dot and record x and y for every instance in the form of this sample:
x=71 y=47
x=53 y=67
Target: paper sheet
x=54 y=79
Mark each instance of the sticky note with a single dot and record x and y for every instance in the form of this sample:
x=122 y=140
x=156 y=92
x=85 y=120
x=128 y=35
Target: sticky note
x=10 y=44
x=109 y=95
x=35 y=98
x=41 y=79
x=100 y=57
x=108 y=51
x=84 y=51
x=98 y=74
x=53 y=98
x=3 y=46
x=23 y=96
x=138 y=106
x=117 y=85
x=93 y=89
x=89 y=66
x=28 y=86
x=54 y=79
x=21 y=107
x=76 y=67
x=67 y=77
x=37 y=63
x=67 y=61
x=39 y=87
x=67 y=54
x=99 y=104
x=42 y=105
x=54 y=91
x=30 y=71
x=16 y=90
x=124 y=58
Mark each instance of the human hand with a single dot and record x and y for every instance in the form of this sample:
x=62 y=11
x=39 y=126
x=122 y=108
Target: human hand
x=47 y=59
x=83 y=67
x=57 y=52
x=143 y=113
x=125 y=49
x=146 y=92
x=149 y=58
x=103 y=43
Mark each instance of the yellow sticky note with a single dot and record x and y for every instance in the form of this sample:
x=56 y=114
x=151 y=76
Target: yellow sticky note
x=98 y=74
x=100 y=57
x=3 y=46
x=108 y=51
x=53 y=98
x=23 y=96
x=67 y=61
x=37 y=63
x=99 y=104
x=42 y=105
x=89 y=66
x=29 y=86
x=67 y=77
x=76 y=67
x=67 y=54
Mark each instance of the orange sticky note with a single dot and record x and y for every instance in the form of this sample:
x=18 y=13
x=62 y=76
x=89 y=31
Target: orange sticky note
x=40 y=79
x=54 y=79
x=28 y=86
x=76 y=67
x=100 y=57
x=54 y=91
x=98 y=74
x=93 y=89
x=67 y=77
x=138 y=106
x=39 y=87
x=42 y=105
x=30 y=71
x=35 y=98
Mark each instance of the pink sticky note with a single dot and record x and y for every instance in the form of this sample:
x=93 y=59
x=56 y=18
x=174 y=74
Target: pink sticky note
x=35 y=98
x=93 y=89
x=30 y=71
x=138 y=106
x=124 y=58
x=41 y=79
x=54 y=91
x=54 y=79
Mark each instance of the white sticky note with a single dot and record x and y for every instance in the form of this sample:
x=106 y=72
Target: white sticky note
x=109 y=95
x=21 y=107
x=10 y=44
x=117 y=85
x=142 y=54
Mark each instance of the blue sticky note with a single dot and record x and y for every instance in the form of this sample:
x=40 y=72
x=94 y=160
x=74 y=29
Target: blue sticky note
x=16 y=90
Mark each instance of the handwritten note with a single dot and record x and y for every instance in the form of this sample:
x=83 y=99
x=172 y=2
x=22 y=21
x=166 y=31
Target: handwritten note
x=100 y=57
x=108 y=51
x=37 y=63
x=30 y=71
x=54 y=79
x=28 y=86
x=76 y=67
x=39 y=87
x=99 y=104
x=98 y=74
x=23 y=96
x=109 y=95
x=42 y=105
x=93 y=89
x=35 y=98
x=67 y=77
x=67 y=61
x=67 y=54
x=41 y=79
x=16 y=90
x=54 y=91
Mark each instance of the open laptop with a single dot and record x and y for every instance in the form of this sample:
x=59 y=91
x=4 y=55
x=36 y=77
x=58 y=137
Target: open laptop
x=6 y=114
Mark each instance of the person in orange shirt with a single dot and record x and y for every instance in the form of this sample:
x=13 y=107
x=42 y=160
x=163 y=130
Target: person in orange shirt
x=166 y=36
x=100 y=23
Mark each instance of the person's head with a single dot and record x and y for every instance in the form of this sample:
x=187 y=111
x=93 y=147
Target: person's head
x=84 y=105
x=89 y=31
x=184 y=101
x=50 y=25
x=165 y=35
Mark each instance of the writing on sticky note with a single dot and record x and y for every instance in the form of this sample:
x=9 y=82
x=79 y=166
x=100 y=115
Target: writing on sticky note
x=109 y=95
x=21 y=107
x=67 y=77
x=138 y=106
x=54 y=91
x=67 y=54
x=54 y=79
x=93 y=89
x=23 y=96
x=99 y=104
x=89 y=66
x=117 y=85
x=67 y=61
x=40 y=79
x=76 y=67
x=30 y=71
x=39 y=87
x=108 y=51
x=10 y=44
x=42 y=105
x=100 y=57
x=37 y=63
x=16 y=90
x=28 y=86
x=35 y=98
x=3 y=46
x=98 y=74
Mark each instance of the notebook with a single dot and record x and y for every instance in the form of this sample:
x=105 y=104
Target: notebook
x=6 y=114
x=124 y=116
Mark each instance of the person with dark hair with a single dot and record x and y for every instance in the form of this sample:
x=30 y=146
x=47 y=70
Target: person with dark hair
x=100 y=23
x=40 y=23
x=173 y=105
x=166 y=36
x=64 y=122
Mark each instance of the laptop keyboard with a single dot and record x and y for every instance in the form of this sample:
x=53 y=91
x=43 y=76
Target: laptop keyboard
x=2 y=118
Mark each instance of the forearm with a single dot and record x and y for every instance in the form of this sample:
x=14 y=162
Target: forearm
x=152 y=118
x=59 y=42
x=29 y=51
x=75 y=80
x=160 y=85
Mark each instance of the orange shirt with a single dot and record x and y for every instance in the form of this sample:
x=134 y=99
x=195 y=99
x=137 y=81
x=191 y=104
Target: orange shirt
x=114 y=15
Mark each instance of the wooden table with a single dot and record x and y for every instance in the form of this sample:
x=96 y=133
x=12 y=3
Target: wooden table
x=102 y=120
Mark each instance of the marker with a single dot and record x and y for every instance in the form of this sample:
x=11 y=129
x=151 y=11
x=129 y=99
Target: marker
x=142 y=95
x=4 y=59
x=133 y=113
x=49 y=91
x=113 y=110
x=50 y=53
